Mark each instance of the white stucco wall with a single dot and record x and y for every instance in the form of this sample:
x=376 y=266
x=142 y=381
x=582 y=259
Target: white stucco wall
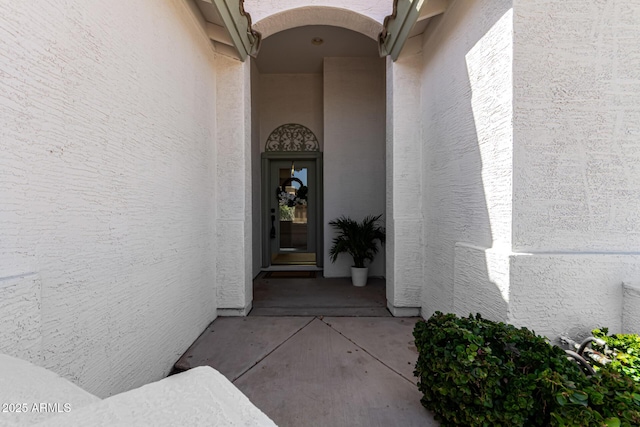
x=569 y=294
x=404 y=170
x=354 y=149
x=467 y=133
x=530 y=118
x=631 y=308
x=291 y=98
x=107 y=198
x=256 y=168
x=576 y=166
x=481 y=282
x=576 y=126
x=234 y=222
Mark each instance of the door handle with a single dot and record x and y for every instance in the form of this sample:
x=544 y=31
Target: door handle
x=273 y=227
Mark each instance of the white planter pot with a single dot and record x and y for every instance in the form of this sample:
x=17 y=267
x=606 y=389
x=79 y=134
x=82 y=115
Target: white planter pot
x=359 y=276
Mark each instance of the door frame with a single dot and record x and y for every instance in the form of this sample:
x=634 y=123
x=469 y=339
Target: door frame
x=267 y=158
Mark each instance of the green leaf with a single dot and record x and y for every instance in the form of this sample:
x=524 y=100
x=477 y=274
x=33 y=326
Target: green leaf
x=580 y=396
x=597 y=398
x=561 y=399
x=612 y=422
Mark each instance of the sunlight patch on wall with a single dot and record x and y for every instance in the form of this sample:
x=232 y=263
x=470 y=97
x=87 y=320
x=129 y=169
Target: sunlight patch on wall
x=489 y=66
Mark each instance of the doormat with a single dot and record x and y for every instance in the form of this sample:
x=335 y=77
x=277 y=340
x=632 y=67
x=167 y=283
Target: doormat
x=290 y=275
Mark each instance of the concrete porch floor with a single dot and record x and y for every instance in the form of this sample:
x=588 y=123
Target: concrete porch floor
x=318 y=371
x=318 y=296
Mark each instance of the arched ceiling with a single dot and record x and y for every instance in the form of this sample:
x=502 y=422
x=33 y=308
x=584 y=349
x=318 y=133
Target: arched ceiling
x=293 y=51
x=376 y=10
x=318 y=15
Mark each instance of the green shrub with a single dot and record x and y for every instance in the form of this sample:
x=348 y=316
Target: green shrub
x=474 y=372
x=626 y=347
x=608 y=398
x=286 y=213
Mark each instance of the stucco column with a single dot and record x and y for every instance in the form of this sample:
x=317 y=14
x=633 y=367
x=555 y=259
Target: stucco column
x=404 y=249
x=233 y=187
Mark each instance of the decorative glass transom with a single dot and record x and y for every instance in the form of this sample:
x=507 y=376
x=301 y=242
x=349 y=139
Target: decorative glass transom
x=292 y=137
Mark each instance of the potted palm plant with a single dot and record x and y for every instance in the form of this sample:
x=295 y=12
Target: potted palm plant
x=358 y=239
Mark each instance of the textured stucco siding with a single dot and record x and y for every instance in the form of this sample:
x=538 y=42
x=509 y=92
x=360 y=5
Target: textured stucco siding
x=631 y=307
x=234 y=253
x=576 y=126
x=552 y=294
x=531 y=120
x=354 y=149
x=405 y=213
x=467 y=138
x=556 y=294
x=576 y=163
x=291 y=98
x=107 y=200
x=20 y=317
x=256 y=168
x=481 y=282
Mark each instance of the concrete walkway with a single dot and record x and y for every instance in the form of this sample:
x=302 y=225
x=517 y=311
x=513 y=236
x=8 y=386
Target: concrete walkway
x=318 y=371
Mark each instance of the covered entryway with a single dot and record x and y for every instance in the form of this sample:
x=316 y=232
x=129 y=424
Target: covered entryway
x=319 y=93
x=329 y=68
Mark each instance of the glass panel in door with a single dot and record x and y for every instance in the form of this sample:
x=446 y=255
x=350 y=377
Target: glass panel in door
x=295 y=233
x=292 y=202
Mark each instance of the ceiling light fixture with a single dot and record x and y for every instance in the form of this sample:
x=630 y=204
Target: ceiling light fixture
x=317 y=41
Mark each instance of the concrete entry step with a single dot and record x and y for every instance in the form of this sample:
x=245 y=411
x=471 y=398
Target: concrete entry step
x=318 y=296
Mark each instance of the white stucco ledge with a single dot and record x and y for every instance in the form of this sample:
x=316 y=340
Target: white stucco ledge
x=403 y=311
x=631 y=308
x=198 y=397
x=234 y=312
x=24 y=383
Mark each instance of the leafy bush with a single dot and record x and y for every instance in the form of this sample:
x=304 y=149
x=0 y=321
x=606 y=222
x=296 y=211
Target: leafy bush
x=474 y=372
x=286 y=213
x=626 y=352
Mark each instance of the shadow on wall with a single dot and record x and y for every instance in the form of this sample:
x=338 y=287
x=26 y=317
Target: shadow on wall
x=467 y=131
